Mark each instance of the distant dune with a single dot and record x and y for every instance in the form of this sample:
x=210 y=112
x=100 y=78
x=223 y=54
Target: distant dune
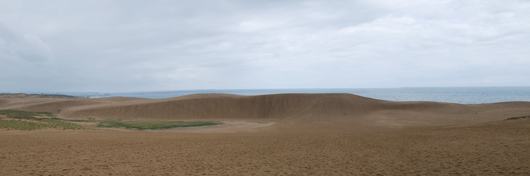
x=3 y=102
x=343 y=112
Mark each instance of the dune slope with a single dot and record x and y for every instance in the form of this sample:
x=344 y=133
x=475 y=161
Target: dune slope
x=325 y=111
x=236 y=107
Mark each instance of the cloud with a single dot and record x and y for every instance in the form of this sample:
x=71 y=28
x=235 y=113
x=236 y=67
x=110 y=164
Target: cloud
x=172 y=45
x=28 y=47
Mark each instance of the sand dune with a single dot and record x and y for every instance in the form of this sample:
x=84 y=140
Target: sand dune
x=3 y=102
x=286 y=134
x=343 y=112
x=235 y=107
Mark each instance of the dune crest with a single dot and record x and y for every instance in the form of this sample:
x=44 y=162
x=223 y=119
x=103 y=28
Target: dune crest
x=311 y=111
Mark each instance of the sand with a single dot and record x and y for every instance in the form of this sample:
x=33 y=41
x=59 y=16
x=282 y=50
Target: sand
x=288 y=134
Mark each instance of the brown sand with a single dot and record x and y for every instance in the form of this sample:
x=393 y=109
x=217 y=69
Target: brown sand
x=288 y=134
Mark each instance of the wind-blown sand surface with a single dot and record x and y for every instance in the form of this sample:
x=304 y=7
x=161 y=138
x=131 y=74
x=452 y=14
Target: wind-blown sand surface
x=286 y=134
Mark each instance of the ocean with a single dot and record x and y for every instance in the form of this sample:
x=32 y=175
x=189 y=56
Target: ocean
x=462 y=95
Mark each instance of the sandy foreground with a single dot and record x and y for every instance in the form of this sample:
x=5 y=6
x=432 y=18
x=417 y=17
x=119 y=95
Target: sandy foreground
x=290 y=134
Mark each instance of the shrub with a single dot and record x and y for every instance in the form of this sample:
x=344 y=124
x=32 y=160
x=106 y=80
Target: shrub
x=515 y=118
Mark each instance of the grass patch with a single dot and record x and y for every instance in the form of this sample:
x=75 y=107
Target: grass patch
x=40 y=124
x=57 y=123
x=89 y=120
x=31 y=122
x=23 y=120
x=515 y=118
x=151 y=125
x=17 y=114
x=21 y=125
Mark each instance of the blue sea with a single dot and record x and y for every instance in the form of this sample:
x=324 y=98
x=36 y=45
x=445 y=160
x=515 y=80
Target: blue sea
x=463 y=95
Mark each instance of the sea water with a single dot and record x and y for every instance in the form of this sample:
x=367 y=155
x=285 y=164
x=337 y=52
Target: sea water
x=463 y=95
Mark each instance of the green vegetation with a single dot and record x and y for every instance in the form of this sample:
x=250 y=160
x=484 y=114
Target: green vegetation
x=151 y=125
x=58 y=111
x=142 y=125
x=17 y=114
x=57 y=123
x=89 y=120
x=515 y=118
x=40 y=124
x=23 y=120
x=20 y=125
x=31 y=122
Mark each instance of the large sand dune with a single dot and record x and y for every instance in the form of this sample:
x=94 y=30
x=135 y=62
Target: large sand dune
x=287 y=134
x=343 y=112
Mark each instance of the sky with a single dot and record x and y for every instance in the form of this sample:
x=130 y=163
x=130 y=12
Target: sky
x=123 y=46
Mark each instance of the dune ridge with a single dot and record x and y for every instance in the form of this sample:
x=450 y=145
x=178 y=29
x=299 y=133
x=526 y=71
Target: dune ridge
x=236 y=107
x=315 y=111
x=285 y=134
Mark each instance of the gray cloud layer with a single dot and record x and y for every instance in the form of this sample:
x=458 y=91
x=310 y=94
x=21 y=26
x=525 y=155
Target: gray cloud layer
x=170 y=45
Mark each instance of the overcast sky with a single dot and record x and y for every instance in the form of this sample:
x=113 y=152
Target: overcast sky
x=117 y=46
